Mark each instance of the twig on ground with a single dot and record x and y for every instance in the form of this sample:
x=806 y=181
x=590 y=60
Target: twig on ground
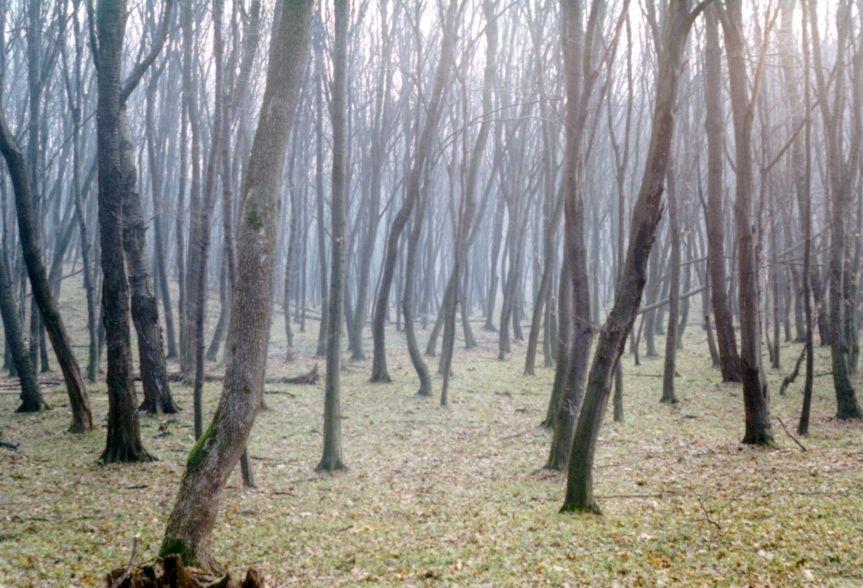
x=706 y=513
x=787 y=432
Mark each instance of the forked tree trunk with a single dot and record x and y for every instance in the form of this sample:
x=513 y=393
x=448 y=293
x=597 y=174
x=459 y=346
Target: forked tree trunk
x=756 y=400
x=216 y=453
x=115 y=180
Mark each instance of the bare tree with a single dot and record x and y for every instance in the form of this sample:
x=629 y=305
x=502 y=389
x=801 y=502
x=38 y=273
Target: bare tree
x=216 y=453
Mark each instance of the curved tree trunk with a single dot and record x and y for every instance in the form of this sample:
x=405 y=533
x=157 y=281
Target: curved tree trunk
x=646 y=214
x=423 y=148
x=216 y=453
x=82 y=419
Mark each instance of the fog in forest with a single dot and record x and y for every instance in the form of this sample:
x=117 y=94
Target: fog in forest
x=415 y=292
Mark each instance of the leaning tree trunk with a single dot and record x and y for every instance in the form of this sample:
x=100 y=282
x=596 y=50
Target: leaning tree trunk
x=217 y=452
x=646 y=214
x=82 y=419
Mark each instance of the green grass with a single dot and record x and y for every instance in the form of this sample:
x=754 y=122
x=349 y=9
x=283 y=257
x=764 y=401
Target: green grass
x=456 y=495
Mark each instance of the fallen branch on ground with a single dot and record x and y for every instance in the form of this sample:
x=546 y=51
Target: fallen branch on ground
x=793 y=438
x=310 y=377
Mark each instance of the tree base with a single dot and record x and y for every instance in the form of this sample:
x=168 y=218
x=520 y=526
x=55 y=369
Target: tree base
x=381 y=378
x=589 y=508
x=29 y=407
x=126 y=455
x=849 y=414
x=759 y=440
x=330 y=466
x=170 y=571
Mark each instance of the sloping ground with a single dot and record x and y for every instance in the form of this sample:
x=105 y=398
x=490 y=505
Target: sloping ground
x=456 y=495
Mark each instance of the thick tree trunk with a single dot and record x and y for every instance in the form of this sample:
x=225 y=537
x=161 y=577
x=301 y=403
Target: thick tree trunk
x=116 y=179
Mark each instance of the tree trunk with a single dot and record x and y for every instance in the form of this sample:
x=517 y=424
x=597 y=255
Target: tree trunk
x=217 y=452
x=423 y=148
x=332 y=454
x=82 y=419
x=31 y=396
x=756 y=400
x=646 y=214
x=729 y=360
x=116 y=179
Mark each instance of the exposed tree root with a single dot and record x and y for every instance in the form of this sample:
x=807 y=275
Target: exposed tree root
x=171 y=572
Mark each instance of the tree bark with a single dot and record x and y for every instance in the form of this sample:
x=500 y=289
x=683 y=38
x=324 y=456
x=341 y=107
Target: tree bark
x=332 y=456
x=82 y=419
x=31 y=396
x=216 y=453
x=115 y=181
x=646 y=214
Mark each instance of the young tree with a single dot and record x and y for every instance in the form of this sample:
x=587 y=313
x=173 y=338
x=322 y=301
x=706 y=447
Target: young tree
x=332 y=457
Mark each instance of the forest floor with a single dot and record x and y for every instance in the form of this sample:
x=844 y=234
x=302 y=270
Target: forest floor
x=457 y=495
